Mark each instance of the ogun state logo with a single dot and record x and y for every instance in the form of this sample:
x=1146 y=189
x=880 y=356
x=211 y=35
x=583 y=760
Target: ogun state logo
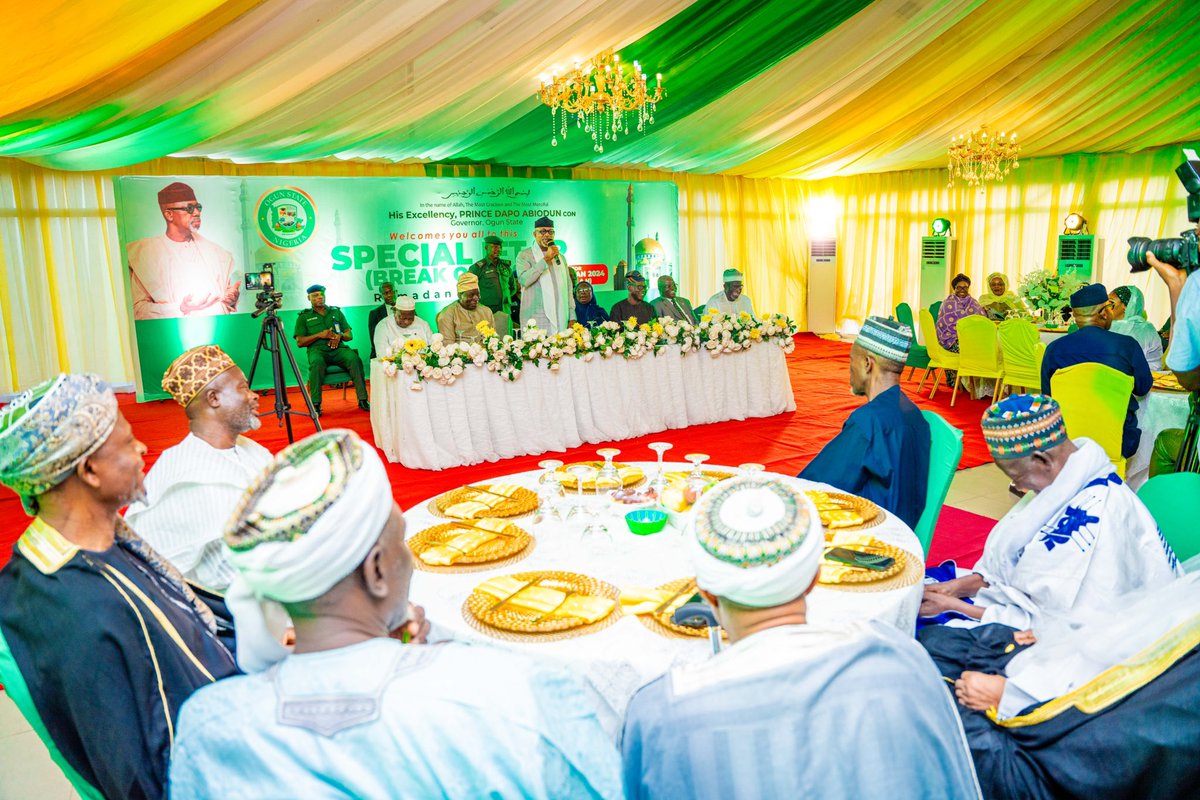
x=286 y=217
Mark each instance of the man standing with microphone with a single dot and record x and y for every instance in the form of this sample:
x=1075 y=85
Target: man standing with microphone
x=547 y=283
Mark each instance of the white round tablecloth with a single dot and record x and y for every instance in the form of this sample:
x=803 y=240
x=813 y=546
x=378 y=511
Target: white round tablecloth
x=1156 y=412
x=615 y=661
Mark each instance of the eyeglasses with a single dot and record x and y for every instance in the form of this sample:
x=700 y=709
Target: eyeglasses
x=543 y=231
x=191 y=208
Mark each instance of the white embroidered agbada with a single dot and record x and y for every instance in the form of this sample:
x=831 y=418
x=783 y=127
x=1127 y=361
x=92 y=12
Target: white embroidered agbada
x=164 y=272
x=389 y=336
x=1083 y=542
x=720 y=302
x=546 y=290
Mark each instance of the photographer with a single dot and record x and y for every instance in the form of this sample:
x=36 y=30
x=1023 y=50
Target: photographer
x=322 y=329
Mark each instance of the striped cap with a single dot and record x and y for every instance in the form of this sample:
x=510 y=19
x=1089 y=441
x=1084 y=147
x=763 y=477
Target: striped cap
x=1023 y=424
x=885 y=338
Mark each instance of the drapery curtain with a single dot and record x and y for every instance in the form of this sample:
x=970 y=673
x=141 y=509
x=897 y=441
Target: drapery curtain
x=63 y=304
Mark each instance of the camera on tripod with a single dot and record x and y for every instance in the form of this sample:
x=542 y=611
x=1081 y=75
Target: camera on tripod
x=263 y=282
x=1183 y=252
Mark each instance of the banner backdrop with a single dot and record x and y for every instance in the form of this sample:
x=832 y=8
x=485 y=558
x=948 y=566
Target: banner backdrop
x=191 y=243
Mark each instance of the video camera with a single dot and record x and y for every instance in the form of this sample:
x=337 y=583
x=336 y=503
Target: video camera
x=1184 y=252
x=267 y=298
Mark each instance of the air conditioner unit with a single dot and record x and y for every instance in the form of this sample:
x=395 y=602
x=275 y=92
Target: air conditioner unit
x=1078 y=255
x=937 y=265
x=822 y=285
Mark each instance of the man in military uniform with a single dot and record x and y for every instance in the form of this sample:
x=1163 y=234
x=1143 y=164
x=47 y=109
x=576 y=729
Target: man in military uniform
x=322 y=329
x=382 y=312
x=499 y=289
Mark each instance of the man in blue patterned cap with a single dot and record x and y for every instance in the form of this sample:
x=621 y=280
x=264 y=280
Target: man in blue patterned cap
x=882 y=452
x=1095 y=343
x=101 y=640
x=774 y=714
x=1078 y=539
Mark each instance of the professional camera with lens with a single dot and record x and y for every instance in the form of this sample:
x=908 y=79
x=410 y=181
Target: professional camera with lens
x=1184 y=252
x=263 y=282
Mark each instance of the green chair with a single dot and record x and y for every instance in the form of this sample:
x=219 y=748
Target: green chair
x=978 y=353
x=939 y=357
x=935 y=307
x=918 y=355
x=337 y=377
x=1174 y=502
x=1022 y=349
x=1094 y=399
x=945 y=453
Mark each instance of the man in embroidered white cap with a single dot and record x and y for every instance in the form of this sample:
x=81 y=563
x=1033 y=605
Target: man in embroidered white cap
x=403 y=324
x=789 y=709
x=730 y=299
x=194 y=486
x=459 y=321
x=101 y=640
x=882 y=452
x=319 y=545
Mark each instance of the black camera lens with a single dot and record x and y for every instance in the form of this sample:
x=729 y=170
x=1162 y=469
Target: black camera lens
x=1178 y=252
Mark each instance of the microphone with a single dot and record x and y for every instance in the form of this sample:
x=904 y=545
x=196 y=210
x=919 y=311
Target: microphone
x=557 y=260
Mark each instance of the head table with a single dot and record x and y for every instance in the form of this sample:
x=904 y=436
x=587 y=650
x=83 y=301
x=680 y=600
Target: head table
x=615 y=661
x=483 y=417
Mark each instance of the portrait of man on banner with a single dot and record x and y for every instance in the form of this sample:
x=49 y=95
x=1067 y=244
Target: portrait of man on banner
x=179 y=273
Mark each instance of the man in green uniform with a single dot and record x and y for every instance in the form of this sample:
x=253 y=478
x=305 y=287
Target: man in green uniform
x=499 y=289
x=322 y=329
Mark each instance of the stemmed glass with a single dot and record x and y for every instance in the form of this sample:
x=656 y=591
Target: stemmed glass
x=550 y=490
x=751 y=469
x=608 y=472
x=660 y=479
x=583 y=473
x=696 y=478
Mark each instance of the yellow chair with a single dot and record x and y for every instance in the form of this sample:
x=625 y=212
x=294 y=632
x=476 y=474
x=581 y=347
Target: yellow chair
x=1094 y=400
x=978 y=353
x=1021 y=349
x=939 y=357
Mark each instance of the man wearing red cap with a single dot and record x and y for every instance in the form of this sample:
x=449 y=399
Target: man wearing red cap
x=180 y=273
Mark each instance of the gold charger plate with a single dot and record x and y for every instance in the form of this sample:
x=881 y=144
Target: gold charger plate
x=496 y=618
x=661 y=623
x=507 y=548
x=1166 y=381
x=712 y=474
x=634 y=476
x=521 y=503
x=867 y=575
x=872 y=514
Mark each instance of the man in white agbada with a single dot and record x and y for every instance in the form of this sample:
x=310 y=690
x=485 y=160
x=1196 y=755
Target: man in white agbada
x=194 y=486
x=789 y=709
x=548 y=284
x=181 y=273
x=730 y=299
x=319 y=545
x=401 y=325
x=1079 y=538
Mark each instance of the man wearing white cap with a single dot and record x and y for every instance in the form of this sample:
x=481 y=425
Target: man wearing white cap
x=730 y=299
x=459 y=321
x=789 y=709
x=319 y=546
x=400 y=326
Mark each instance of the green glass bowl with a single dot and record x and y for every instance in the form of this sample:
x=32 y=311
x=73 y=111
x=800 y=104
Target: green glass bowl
x=645 y=521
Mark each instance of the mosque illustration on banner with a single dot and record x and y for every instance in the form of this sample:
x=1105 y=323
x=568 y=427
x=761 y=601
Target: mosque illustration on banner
x=650 y=259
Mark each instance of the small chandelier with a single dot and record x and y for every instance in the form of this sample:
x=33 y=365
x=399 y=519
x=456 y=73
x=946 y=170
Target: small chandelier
x=606 y=98
x=978 y=158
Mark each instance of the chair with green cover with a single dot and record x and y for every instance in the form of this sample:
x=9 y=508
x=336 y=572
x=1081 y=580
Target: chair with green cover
x=945 y=452
x=1019 y=343
x=1174 y=502
x=918 y=355
x=978 y=353
x=335 y=376
x=935 y=307
x=939 y=357
x=1094 y=400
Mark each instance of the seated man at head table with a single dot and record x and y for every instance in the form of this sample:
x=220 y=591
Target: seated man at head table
x=882 y=452
x=101 y=640
x=195 y=485
x=635 y=305
x=671 y=305
x=1079 y=538
x=319 y=545
x=730 y=300
x=1095 y=343
x=1095 y=705
x=459 y=321
x=776 y=713
x=402 y=325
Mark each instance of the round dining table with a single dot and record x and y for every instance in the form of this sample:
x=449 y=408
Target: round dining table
x=614 y=661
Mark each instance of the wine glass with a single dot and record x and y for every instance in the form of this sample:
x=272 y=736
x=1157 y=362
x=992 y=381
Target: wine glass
x=751 y=469
x=550 y=490
x=660 y=479
x=582 y=473
x=608 y=472
x=696 y=479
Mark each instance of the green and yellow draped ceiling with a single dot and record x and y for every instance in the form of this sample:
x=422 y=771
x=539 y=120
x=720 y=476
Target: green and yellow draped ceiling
x=759 y=88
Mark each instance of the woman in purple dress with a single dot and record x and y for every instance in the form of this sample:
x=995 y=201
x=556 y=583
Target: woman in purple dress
x=958 y=305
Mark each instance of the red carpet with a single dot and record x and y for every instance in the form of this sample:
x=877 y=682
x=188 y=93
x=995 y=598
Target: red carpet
x=784 y=443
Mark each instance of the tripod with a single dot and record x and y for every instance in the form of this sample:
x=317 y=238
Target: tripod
x=273 y=340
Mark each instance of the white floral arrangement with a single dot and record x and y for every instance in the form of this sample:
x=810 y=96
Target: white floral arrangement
x=1048 y=293
x=508 y=356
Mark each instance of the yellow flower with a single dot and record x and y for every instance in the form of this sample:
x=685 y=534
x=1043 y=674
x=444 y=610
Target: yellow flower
x=658 y=328
x=644 y=327
x=483 y=327
x=414 y=345
x=631 y=322
x=744 y=315
x=755 y=334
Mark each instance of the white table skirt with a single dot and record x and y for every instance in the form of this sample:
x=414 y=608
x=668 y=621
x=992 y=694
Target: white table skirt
x=614 y=662
x=483 y=417
x=1156 y=412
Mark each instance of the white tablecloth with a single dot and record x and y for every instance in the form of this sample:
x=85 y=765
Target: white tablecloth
x=1049 y=336
x=1156 y=412
x=483 y=417
x=615 y=661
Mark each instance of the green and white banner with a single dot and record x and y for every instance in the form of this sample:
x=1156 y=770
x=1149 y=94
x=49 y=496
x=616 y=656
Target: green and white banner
x=190 y=243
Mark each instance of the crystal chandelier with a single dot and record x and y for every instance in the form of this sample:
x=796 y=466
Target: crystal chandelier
x=978 y=158
x=606 y=98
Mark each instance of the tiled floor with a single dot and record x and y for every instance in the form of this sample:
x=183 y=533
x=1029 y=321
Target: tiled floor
x=982 y=490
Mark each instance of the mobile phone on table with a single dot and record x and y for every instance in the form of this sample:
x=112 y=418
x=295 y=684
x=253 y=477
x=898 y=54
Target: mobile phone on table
x=856 y=558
